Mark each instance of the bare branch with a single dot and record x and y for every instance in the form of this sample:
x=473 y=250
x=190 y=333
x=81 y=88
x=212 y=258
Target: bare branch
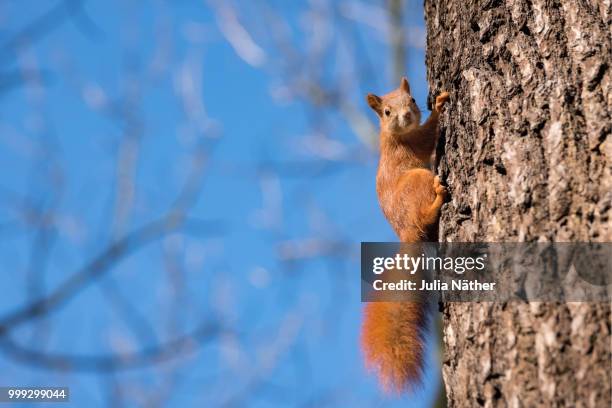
x=113 y=361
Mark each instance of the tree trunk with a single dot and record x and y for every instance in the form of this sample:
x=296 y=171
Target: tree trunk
x=525 y=150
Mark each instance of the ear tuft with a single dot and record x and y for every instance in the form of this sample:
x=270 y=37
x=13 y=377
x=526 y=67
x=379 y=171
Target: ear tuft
x=375 y=103
x=404 y=86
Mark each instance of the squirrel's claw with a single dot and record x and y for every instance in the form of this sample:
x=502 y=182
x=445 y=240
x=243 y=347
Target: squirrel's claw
x=441 y=100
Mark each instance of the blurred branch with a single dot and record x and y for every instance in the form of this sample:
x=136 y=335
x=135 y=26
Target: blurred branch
x=93 y=270
x=284 y=339
x=47 y=23
x=16 y=78
x=237 y=36
x=114 y=361
x=137 y=322
x=312 y=248
x=397 y=36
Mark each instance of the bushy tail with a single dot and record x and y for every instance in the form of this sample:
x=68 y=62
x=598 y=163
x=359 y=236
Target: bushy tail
x=393 y=342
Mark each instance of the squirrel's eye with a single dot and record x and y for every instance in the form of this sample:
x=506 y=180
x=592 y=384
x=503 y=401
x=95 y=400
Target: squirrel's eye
x=387 y=112
x=413 y=101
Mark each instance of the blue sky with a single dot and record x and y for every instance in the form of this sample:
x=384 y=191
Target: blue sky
x=149 y=86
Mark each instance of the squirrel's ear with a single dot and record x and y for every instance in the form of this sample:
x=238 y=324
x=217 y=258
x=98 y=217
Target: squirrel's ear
x=375 y=103
x=404 y=86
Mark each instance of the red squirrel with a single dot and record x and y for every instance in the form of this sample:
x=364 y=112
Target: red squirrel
x=410 y=196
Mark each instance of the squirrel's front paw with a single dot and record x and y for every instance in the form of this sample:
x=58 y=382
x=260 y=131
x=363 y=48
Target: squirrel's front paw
x=439 y=189
x=441 y=100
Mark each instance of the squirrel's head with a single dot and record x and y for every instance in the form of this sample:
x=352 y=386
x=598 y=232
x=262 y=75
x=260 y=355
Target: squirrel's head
x=397 y=110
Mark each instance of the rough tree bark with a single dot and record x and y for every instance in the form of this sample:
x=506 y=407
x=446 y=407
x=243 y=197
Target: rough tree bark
x=526 y=152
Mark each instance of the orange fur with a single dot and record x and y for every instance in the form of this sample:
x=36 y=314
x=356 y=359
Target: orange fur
x=410 y=196
x=393 y=344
